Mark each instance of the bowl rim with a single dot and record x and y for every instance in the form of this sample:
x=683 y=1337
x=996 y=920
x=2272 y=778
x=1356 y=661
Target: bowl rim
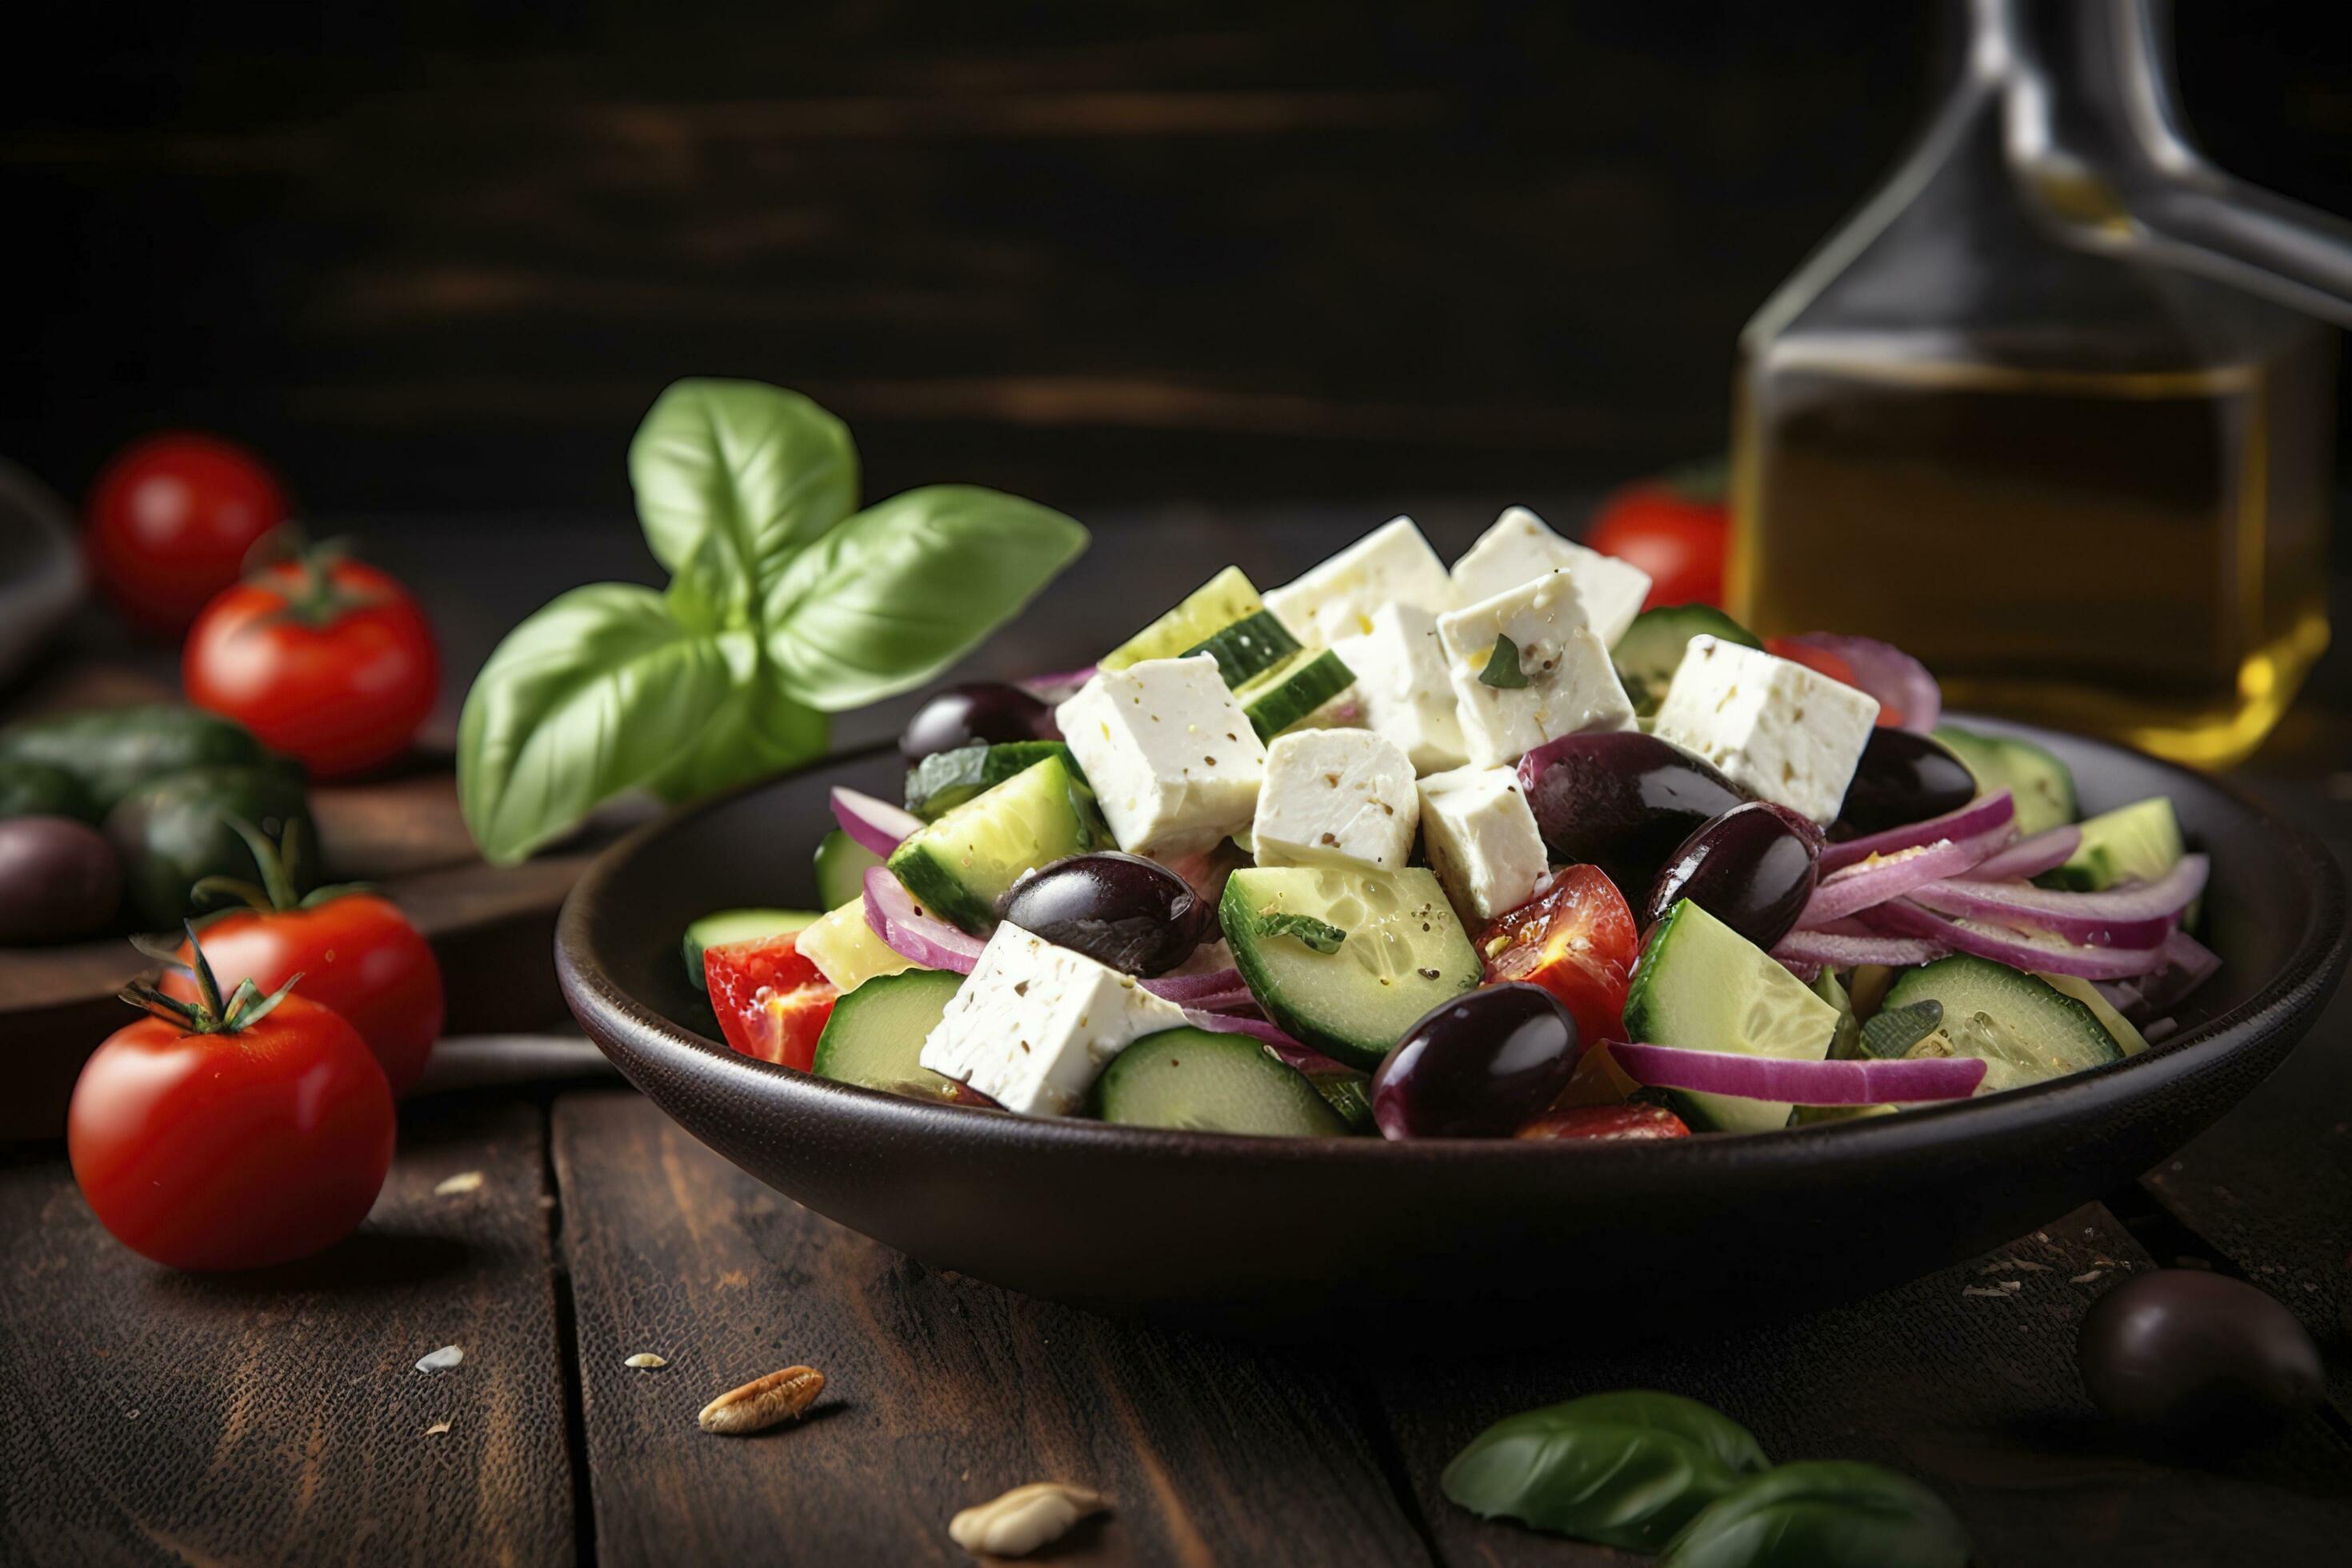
x=2301 y=986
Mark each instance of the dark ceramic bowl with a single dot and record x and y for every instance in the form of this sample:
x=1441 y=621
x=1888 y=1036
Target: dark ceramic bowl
x=1316 y=1236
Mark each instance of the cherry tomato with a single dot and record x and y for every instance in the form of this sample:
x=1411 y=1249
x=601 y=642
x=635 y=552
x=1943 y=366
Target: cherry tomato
x=169 y=522
x=330 y=662
x=207 y=1151
x=1678 y=536
x=356 y=953
x=1578 y=942
x=1608 y=1123
x=771 y=1002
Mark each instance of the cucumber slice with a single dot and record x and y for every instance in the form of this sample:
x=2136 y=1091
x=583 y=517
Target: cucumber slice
x=875 y=1037
x=2120 y=1029
x=2037 y=781
x=1348 y=1093
x=2136 y=842
x=1213 y=605
x=848 y=951
x=1204 y=1082
x=738 y=925
x=962 y=863
x=945 y=780
x=2023 y=1029
x=1403 y=953
x=1292 y=690
x=841 y=867
x=1247 y=648
x=1702 y=986
x=1652 y=648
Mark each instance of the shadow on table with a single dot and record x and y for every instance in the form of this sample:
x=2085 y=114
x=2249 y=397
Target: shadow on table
x=368 y=1259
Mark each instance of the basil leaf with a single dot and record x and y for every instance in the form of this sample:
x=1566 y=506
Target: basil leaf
x=1320 y=935
x=1823 y=1513
x=599 y=693
x=1503 y=668
x=1895 y=1030
x=733 y=478
x=759 y=731
x=1627 y=1468
x=906 y=587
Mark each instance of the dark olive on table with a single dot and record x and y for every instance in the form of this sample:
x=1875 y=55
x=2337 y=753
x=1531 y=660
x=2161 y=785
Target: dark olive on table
x=60 y=878
x=1133 y=914
x=29 y=788
x=986 y=711
x=1904 y=778
x=2197 y=1355
x=1753 y=869
x=1623 y=801
x=1477 y=1067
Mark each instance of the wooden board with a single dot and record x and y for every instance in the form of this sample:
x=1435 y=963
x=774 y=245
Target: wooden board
x=277 y=1418
x=942 y=1392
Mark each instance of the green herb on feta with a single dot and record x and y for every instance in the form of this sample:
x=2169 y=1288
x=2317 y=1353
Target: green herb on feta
x=1503 y=670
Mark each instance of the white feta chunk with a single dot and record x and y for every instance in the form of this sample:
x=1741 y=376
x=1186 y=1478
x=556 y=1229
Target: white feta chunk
x=1170 y=754
x=1394 y=564
x=1785 y=734
x=1335 y=797
x=1519 y=548
x=1480 y=837
x=1402 y=687
x=1570 y=684
x=1034 y=1024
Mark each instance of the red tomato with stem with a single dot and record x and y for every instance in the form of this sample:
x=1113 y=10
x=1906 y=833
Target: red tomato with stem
x=1577 y=939
x=169 y=523
x=323 y=659
x=230 y=1134
x=771 y=1002
x=1677 y=534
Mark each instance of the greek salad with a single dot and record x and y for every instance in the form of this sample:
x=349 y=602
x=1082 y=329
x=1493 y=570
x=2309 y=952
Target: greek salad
x=1488 y=851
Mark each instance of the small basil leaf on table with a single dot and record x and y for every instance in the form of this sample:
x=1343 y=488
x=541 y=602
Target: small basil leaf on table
x=907 y=587
x=601 y=691
x=1627 y=1468
x=1823 y=1513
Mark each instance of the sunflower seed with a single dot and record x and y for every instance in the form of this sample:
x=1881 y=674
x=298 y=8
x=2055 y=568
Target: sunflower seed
x=644 y=1361
x=1023 y=1519
x=463 y=1181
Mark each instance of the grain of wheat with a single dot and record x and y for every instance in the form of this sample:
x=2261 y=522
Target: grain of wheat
x=762 y=1401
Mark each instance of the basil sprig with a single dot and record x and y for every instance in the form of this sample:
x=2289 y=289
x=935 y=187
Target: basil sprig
x=1823 y=1513
x=1320 y=935
x=782 y=607
x=1627 y=1468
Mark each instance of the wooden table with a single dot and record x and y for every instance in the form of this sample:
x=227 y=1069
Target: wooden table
x=151 y=1417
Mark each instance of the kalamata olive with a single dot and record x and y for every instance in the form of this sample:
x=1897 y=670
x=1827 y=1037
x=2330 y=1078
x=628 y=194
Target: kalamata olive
x=1136 y=915
x=1904 y=778
x=1476 y=1067
x=1623 y=801
x=2197 y=1355
x=60 y=878
x=1752 y=869
x=981 y=711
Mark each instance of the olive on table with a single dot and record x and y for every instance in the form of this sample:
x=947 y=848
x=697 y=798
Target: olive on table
x=1477 y=1067
x=1623 y=801
x=1904 y=778
x=60 y=878
x=2197 y=1355
x=1753 y=869
x=987 y=711
x=174 y=832
x=1133 y=914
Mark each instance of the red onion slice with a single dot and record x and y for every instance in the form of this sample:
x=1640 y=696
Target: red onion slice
x=2029 y=858
x=908 y=931
x=1842 y=951
x=1980 y=816
x=1288 y=1049
x=2187 y=963
x=1058 y=685
x=2017 y=949
x=1874 y=1082
x=1215 y=988
x=874 y=825
x=2136 y=915
x=1869 y=883
x=1900 y=682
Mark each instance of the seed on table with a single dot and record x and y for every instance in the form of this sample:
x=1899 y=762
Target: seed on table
x=1023 y=1519
x=647 y=1361
x=761 y=1402
x=463 y=1181
x=437 y=1428
x=441 y=1359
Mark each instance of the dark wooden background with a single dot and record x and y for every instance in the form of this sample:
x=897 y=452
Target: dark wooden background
x=437 y=257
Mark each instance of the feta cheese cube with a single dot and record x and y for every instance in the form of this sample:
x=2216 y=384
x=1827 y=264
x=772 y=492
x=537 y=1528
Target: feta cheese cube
x=1519 y=549
x=1170 y=754
x=1034 y=1024
x=1335 y=797
x=1400 y=685
x=1480 y=836
x=1570 y=684
x=1784 y=732
x=1394 y=564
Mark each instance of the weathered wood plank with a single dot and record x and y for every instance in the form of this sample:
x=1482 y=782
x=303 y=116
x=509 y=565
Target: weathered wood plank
x=277 y=1418
x=1976 y=1395
x=942 y=1392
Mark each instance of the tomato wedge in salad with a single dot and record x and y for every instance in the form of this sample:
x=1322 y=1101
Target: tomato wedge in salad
x=1577 y=941
x=770 y=1000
